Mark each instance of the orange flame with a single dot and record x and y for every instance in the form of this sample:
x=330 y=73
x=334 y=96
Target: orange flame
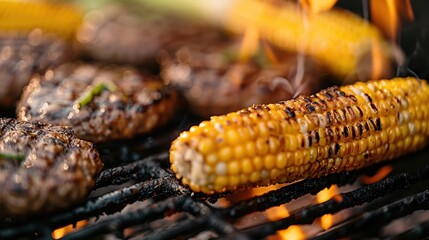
x=291 y=233
x=249 y=193
x=274 y=213
x=249 y=45
x=377 y=59
x=327 y=220
x=316 y=6
x=61 y=232
x=387 y=15
x=380 y=175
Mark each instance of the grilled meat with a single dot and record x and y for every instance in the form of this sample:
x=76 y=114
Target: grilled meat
x=100 y=103
x=43 y=168
x=141 y=34
x=21 y=56
x=214 y=80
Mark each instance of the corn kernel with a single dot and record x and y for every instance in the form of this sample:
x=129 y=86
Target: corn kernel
x=282 y=160
x=258 y=163
x=262 y=146
x=220 y=183
x=225 y=154
x=263 y=130
x=275 y=173
x=239 y=152
x=244 y=179
x=273 y=145
x=233 y=167
x=255 y=177
x=232 y=137
x=205 y=146
x=251 y=149
x=269 y=161
x=247 y=166
x=233 y=181
x=291 y=142
x=212 y=159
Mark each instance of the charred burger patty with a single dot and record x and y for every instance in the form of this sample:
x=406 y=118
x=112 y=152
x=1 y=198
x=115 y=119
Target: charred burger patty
x=43 y=168
x=99 y=103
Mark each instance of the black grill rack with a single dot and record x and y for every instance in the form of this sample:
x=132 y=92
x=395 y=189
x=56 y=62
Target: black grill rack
x=173 y=211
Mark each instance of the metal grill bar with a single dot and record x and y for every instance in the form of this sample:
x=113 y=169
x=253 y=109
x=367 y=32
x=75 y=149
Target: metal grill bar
x=168 y=196
x=122 y=221
x=417 y=232
x=191 y=227
x=142 y=170
x=382 y=216
x=288 y=193
x=109 y=203
x=354 y=198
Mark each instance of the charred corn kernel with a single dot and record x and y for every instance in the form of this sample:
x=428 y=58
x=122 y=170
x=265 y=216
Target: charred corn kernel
x=326 y=36
x=23 y=16
x=351 y=136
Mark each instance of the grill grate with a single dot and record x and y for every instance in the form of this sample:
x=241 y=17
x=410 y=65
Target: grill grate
x=149 y=179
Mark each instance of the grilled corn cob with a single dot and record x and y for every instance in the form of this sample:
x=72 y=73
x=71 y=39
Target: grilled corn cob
x=327 y=36
x=335 y=130
x=24 y=16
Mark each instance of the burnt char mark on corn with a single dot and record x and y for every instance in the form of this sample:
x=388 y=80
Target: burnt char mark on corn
x=348 y=133
x=58 y=169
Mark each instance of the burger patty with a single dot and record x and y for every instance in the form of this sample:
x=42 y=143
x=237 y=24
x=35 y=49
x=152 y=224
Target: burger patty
x=100 y=103
x=142 y=34
x=22 y=56
x=214 y=80
x=43 y=167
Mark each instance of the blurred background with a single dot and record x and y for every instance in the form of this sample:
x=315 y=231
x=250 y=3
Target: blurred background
x=220 y=56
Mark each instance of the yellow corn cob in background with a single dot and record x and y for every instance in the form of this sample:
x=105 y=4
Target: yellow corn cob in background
x=21 y=17
x=342 y=41
x=337 y=129
x=346 y=44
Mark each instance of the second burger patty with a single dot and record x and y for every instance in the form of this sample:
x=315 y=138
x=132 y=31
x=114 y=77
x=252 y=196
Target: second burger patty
x=43 y=168
x=100 y=103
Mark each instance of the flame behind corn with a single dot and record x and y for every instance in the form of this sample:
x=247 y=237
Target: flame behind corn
x=335 y=130
x=327 y=36
x=24 y=16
